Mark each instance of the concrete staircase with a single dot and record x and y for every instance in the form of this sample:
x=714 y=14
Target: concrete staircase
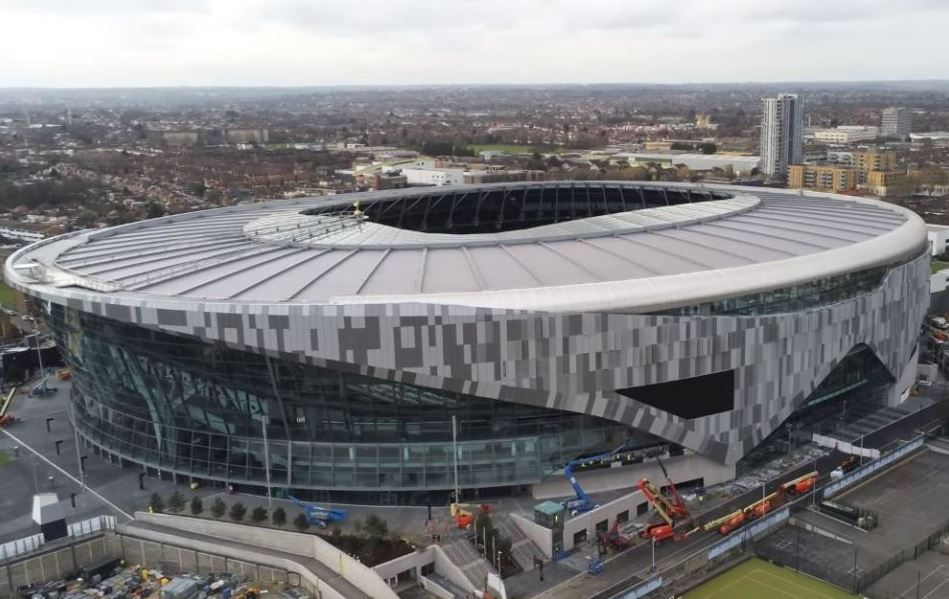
x=870 y=423
x=463 y=554
x=523 y=549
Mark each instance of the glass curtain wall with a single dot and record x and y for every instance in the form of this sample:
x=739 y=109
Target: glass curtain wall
x=201 y=410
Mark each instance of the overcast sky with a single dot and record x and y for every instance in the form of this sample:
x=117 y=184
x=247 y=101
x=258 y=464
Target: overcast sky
x=93 y=43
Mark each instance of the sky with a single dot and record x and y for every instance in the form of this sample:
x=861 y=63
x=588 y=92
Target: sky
x=143 y=43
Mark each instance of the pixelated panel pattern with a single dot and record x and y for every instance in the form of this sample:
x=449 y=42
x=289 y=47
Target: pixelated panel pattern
x=570 y=362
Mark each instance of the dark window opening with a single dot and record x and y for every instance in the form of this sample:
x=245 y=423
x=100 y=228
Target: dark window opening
x=689 y=398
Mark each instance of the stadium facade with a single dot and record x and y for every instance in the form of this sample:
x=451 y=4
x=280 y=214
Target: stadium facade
x=357 y=351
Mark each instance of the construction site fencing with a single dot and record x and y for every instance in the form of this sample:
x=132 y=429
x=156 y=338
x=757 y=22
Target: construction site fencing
x=92 y=525
x=22 y=546
x=34 y=543
x=869 y=469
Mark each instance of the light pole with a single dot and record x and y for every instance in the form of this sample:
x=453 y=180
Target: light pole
x=454 y=453
x=75 y=430
x=39 y=355
x=653 y=567
x=263 y=426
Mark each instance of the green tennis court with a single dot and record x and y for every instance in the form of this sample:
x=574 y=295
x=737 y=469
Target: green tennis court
x=758 y=579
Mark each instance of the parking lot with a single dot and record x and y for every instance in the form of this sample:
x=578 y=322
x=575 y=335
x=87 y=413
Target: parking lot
x=930 y=571
x=912 y=502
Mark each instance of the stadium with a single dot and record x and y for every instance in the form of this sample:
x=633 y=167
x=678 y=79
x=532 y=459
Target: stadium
x=388 y=346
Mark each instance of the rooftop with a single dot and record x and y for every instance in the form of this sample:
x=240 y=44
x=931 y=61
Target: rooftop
x=554 y=246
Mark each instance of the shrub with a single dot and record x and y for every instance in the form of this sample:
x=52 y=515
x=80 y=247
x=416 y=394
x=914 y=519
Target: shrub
x=218 y=508
x=197 y=506
x=176 y=502
x=237 y=512
x=279 y=517
x=301 y=522
x=156 y=504
x=258 y=514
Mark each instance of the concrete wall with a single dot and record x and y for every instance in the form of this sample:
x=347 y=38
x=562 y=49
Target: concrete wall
x=435 y=589
x=413 y=561
x=57 y=561
x=607 y=512
x=215 y=558
x=447 y=568
x=359 y=575
x=681 y=468
x=538 y=534
x=174 y=559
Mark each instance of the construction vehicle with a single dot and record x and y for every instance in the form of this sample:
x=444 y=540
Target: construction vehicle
x=615 y=538
x=851 y=515
x=672 y=510
x=801 y=485
x=582 y=502
x=319 y=516
x=464 y=513
x=729 y=523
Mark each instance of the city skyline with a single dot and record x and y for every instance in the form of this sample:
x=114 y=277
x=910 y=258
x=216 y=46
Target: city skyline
x=293 y=43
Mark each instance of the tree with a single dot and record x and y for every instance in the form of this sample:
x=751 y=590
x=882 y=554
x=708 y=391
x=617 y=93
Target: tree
x=237 y=512
x=218 y=508
x=154 y=210
x=156 y=505
x=279 y=517
x=197 y=506
x=258 y=514
x=176 y=502
x=301 y=522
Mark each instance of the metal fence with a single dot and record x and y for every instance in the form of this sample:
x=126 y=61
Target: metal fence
x=846 y=575
x=648 y=586
x=92 y=525
x=21 y=546
x=872 y=467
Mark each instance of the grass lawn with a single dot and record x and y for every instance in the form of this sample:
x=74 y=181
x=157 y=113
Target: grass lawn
x=4 y=458
x=6 y=294
x=935 y=266
x=509 y=148
x=758 y=579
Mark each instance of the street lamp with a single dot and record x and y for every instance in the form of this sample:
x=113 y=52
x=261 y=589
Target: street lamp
x=653 y=567
x=39 y=355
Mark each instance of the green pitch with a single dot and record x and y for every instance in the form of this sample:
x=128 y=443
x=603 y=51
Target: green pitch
x=758 y=579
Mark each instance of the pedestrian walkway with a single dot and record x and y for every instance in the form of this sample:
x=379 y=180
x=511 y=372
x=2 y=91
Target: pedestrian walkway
x=872 y=422
x=523 y=550
x=463 y=554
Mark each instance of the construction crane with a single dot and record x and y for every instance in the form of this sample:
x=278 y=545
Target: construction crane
x=672 y=510
x=319 y=516
x=582 y=502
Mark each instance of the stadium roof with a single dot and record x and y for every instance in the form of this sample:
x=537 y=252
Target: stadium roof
x=569 y=246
